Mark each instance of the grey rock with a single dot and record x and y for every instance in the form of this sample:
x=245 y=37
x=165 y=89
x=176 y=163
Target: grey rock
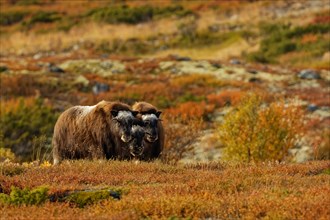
x=312 y=107
x=216 y=65
x=214 y=28
x=235 y=62
x=255 y=80
x=252 y=71
x=81 y=80
x=180 y=58
x=55 y=69
x=100 y=87
x=309 y=74
x=37 y=56
x=102 y=68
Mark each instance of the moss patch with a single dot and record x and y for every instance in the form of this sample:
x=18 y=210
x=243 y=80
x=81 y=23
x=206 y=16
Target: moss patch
x=25 y=196
x=88 y=197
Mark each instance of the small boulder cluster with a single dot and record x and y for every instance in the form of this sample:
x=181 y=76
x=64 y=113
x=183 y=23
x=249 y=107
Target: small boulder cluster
x=109 y=130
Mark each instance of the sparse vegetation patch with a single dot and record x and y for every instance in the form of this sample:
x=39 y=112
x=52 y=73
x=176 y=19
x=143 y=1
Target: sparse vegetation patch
x=10 y=18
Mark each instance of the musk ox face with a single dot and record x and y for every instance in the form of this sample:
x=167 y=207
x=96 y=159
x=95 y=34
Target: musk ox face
x=151 y=126
x=136 y=145
x=124 y=121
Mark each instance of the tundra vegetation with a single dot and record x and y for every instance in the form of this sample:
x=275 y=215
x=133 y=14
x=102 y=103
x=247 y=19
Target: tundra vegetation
x=243 y=87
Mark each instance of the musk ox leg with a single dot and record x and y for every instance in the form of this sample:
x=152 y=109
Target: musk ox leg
x=95 y=152
x=56 y=161
x=56 y=155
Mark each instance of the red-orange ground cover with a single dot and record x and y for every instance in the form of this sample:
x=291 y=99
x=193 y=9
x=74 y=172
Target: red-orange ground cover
x=160 y=191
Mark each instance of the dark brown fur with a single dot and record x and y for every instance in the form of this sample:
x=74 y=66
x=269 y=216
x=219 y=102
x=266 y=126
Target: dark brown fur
x=89 y=132
x=152 y=149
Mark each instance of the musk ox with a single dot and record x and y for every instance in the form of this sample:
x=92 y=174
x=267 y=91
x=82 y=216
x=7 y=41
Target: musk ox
x=94 y=132
x=135 y=147
x=154 y=131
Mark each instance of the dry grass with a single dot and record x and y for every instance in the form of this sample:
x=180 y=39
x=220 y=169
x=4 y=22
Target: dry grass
x=159 y=191
x=30 y=42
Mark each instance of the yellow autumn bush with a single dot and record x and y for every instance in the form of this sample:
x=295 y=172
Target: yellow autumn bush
x=257 y=132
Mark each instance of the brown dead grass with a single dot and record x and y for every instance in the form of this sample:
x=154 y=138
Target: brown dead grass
x=30 y=42
x=159 y=191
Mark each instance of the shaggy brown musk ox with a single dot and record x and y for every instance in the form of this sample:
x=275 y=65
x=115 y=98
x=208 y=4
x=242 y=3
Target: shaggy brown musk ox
x=93 y=132
x=153 y=127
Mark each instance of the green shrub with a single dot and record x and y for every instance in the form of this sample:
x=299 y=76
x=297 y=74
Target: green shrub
x=279 y=39
x=41 y=17
x=44 y=17
x=254 y=132
x=83 y=198
x=10 y=18
x=5 y=153
x=25 y=196
x=189 y=97
x=27 y=129
x=134 y=15
x=122 y=14
x=176 y=10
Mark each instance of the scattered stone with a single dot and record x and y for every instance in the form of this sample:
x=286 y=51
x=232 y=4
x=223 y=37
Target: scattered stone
x=81 y=80
x=76 y=47
x=255 y=80
x=235 y=62
x=37 y=56
x=180 y=58
x=301 y=154
x=102 y=68
x=252 y=71
x=312 y=107
x=100 y=87
x=214 y=28
x=55 y=69
x=322 y=112
x=309 y=74
x=216 y=65
x=166 y=65
x=106 y=64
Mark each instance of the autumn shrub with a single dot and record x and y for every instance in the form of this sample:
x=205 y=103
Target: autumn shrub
x=228 y=97
x=191 y=110
x=20 y=85
x=180 y=134
x=27 y=129
x=10 y=169
x=256 y=132
x=321 y=146
x=316 y=96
